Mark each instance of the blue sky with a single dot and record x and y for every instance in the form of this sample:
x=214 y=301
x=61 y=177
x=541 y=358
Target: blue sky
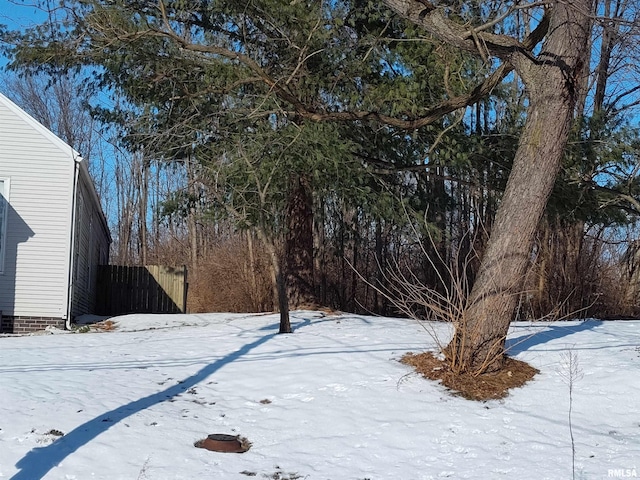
x=18 y=14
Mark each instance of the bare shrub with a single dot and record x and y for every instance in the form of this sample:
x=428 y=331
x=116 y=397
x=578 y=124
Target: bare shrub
x=448 y=300
x=445 y=301
x=578 y=273
x=570 y=372
x=612 y=299
x=232 y=279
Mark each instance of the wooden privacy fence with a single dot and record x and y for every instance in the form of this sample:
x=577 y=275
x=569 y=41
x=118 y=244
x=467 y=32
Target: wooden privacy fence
x=148 y=289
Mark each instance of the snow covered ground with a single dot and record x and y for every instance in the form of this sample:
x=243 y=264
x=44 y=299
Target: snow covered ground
x=330 y=401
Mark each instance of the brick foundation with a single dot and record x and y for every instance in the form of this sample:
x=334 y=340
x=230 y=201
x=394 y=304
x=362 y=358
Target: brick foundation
x=21 y=324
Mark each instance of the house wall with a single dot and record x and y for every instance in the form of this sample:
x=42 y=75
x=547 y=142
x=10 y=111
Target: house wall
x=40 y=170
x=91 y=246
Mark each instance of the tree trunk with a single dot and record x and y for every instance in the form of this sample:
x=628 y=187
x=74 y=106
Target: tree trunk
x=479 y=339
x=609 y=35
x=192 y=225
x=299 y=243
x=251 y=274
x=378 y=299
x=143 y=189
x=278 y=281
x=320 y=256
x=478 y=342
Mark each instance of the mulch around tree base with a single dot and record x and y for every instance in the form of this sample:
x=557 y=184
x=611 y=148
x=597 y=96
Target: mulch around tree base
x=486 y=386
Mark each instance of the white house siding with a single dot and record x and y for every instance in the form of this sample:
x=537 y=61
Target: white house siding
x=40 y=169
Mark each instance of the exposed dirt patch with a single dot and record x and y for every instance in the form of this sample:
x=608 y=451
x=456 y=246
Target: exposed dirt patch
x=487 y=386
x=105 y=326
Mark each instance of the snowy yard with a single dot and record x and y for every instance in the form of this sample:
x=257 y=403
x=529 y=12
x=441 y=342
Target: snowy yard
x=329 y=402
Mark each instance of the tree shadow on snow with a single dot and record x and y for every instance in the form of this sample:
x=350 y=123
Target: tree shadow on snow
x=539 y=334
x=39 y=461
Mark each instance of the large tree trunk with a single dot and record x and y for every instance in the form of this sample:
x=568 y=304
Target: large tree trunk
x=552 y=76
x=299 y=243
x=478 y=342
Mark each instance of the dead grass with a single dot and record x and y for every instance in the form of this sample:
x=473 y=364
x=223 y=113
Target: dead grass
x=486 y=386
